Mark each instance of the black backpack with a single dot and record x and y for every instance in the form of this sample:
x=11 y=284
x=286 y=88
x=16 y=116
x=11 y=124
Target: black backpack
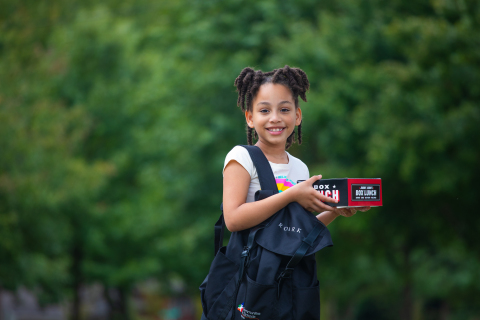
x=268 y=271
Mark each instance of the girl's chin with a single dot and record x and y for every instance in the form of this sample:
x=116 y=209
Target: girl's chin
x=273 y=140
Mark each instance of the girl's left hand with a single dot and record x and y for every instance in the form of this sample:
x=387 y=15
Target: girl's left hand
x=348 y=212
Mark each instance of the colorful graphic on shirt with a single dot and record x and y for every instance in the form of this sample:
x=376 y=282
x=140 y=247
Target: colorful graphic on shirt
x=283 y=183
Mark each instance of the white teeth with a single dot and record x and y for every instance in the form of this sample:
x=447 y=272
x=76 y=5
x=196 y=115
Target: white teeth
x=276 y=130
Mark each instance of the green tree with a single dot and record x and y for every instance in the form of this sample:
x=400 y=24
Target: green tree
x=42 y=173
x=393 y=95
x=123 y=112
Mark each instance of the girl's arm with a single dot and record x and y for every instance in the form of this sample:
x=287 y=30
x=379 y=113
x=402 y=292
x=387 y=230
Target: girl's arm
x=240 y=215
x=327 y=217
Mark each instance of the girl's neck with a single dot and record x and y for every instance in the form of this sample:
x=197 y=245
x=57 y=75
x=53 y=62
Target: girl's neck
x=275 y=154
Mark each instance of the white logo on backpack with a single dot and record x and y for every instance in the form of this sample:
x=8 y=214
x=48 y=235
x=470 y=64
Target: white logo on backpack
x=291 y=229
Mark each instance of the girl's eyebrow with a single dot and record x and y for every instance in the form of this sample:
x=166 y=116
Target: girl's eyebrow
x=268 y=103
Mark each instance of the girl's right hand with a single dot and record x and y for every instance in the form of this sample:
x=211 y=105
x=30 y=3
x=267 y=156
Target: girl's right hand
x=309 y=198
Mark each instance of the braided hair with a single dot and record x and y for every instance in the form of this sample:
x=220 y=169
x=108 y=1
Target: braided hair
x=249 y=81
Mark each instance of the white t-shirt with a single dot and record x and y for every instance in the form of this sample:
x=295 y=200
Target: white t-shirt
x=286 y=175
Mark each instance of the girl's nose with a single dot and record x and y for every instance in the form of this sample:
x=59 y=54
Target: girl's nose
x=274 y=117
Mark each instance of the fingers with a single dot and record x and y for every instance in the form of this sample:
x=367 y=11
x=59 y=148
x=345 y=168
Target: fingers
x=319 y=206
x=346 y=212
x=321 y=198
x=363 y=209
x=318 y=202
x=324 y=198
x=313 y=179
x=323 y=207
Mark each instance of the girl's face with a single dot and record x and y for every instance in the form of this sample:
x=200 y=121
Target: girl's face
x=273 y=114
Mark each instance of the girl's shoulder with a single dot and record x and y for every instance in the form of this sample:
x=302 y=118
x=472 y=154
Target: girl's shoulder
x=238 y=150
x=240 y=155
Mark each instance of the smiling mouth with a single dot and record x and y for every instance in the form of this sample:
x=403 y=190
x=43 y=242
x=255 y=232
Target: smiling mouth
x=275 y=129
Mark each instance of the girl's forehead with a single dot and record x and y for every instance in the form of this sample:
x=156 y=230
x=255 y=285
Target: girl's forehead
x=273 y=91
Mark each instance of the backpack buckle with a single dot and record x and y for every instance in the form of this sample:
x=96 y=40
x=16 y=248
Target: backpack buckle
x=285 y=274
x=245 y=252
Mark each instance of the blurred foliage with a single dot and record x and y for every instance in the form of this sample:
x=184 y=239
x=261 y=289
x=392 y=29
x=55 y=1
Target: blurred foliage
x=115 y=119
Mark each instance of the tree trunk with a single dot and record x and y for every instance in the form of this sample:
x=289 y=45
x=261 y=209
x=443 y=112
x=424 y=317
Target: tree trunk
x=123 y=303
x=444 y=310
x=407 y=310
x=111 y=304
x=349 y=311
x=1 y=309
x=406 y=313
x=76 y=271
x=117 y=299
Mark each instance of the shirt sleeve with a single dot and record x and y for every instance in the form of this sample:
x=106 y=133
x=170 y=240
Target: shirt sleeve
x=241 y=155
x=306 y=171
x=303 y=171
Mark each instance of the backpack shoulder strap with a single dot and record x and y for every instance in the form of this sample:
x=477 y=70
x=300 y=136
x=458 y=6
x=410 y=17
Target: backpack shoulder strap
x=219 y=231
x=264 y=170
x=267 y=182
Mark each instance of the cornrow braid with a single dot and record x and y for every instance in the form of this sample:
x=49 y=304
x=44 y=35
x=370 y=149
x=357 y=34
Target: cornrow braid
x=290 y=140
x=249 y=81
x=249 y=136
x=300 y=133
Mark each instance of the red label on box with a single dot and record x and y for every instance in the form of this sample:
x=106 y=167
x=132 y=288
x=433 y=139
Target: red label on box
x=365 y=192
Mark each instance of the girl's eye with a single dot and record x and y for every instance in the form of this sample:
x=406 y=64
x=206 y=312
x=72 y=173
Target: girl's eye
x=285 y=109
x=263 y=111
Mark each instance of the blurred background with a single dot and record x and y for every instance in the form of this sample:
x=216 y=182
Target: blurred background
x=116 y=116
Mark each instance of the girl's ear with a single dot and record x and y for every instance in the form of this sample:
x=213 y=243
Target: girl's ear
x=298 y=116
x=248 y=117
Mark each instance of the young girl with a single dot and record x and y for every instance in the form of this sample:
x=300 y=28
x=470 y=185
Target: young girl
x=265 y=280
x=270 y=103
